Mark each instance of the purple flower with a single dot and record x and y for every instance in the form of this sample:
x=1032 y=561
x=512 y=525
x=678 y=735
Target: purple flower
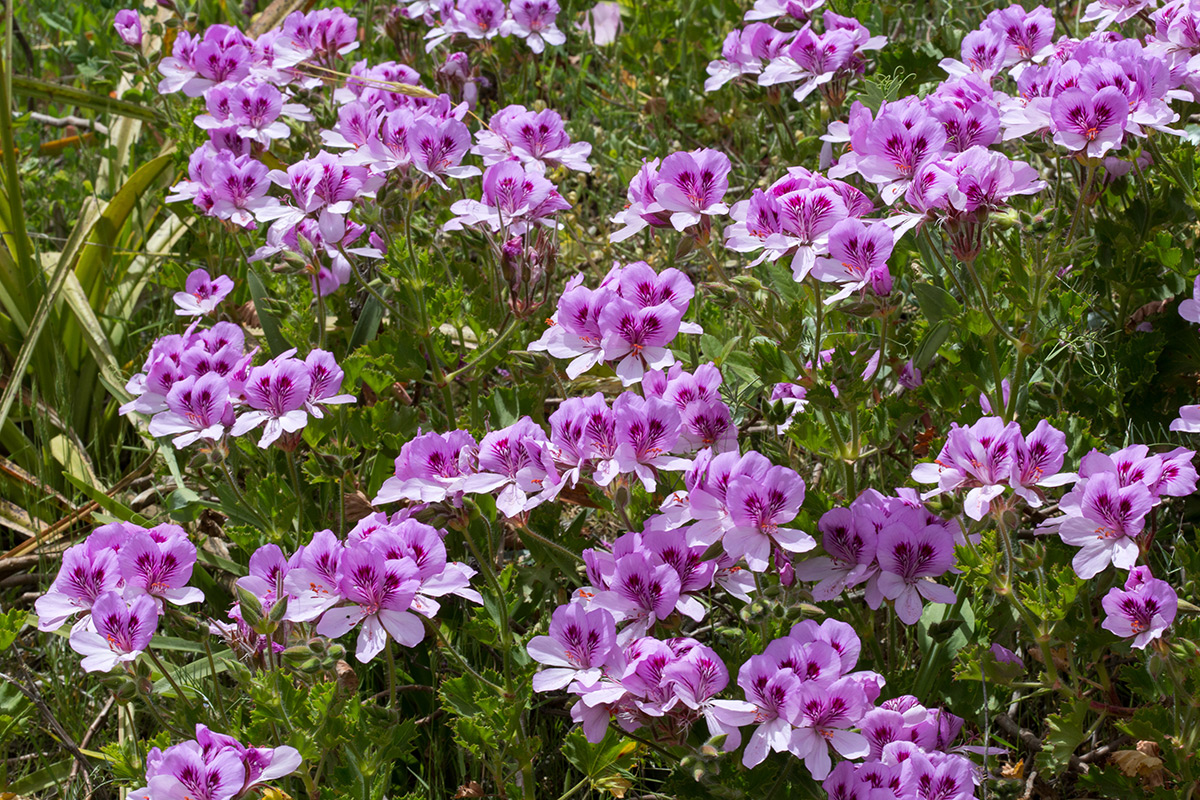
x=890 y=150
x=325 y=379
x=637 y=337
x=509 y=460
x=906 y=558
x=160 y=566
x=603 y=22
x=314 y=583
x=438 y=149
x=277 y=394
x=238 y=190
x=533 y=21
x=857 y=258
x=1027 y=35
x=824 y=715
x=850 y=540
x=695 y=679
x=129 y=27
x=646 y=433
x=981 y=457
x=776 y=695
x=1038 y=462
x=87 y=572
x=1109 y=520
x=515 y=200
x=758 y=509
x=1092 y=122
x=1143 y=610
x=119 y=631
x=693 y=185
x=197 y=408
x=428 y=468
x=379 y=592
x=202 y=294
x=580 y=643
x=643 y=591
x=536 y=138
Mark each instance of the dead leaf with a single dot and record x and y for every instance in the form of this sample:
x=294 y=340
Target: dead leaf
x=1137 y=764
x=472 y=789
x=1013 y=771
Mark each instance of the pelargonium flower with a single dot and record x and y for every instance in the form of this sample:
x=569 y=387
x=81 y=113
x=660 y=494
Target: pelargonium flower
x=906 y=558
x=1110 y=518
x=647 y=430
x=696 y=679
x=850 y=538
x=1028 y=35
x=277 y=394
x=314 y=582
x=514 y=200
x=823 y=719
x=857 y=258
x=637 y=337
x=437 y=149
x=380 y=592
x=87 y=572
x=757 y=512
x=535 y=138
x=129 y=27
x=119 y=631
x=509 y=460
x=159 y=563
x=1113 y=12
x=980 y=457
x=1091 y=123
x=692 y=186
x=202 y=294
x=1144 y=609
x=533 y=21
x=580 y=643
x=429 y=468
x=197 y=408
x=643 y=590
x=776 y=696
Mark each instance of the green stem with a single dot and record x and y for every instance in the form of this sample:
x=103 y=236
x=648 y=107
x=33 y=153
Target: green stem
x=489 y=574
x=1087 y=185
x=170 y=679
x=296 y=487
x=212 y=666
x=437 y=634
x=526 y=531
x=479 y=359
x=391 y=659
x=362 y=281
x=567 y=794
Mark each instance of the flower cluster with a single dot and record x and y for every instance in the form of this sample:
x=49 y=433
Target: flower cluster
x=988 y=457
x=213 y=766
x=530 y=20
x=821 y=224
x=685 y=193
x=628 y=321
x=117 y=580
x=589 y=438
x=201 y=384
x=1105 y=513
x=1144 y=609
x=893 y=545
x=383 y=571
x=824 y=61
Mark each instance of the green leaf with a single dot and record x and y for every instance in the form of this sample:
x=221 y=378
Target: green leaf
x=933 y=341
x=70 y=96
x=1066 y=734
x=607 y=765
x=367 y=325
x=936 y=303
x=270 y=325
